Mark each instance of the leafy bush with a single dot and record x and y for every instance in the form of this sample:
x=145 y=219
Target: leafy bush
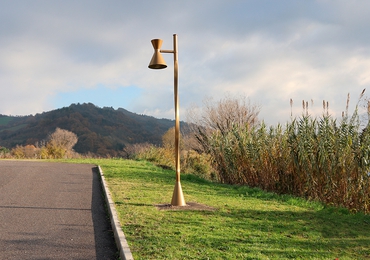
x=158 y=155
x=198 y=164
x=4 y=152
x=190 y=161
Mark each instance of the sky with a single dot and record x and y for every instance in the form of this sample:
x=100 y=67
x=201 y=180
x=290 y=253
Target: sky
x=55 y=53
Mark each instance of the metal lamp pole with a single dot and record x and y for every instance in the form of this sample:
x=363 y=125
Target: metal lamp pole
x=158 y=62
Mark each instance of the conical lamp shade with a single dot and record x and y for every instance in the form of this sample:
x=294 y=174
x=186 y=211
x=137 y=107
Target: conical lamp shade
x=157 y=61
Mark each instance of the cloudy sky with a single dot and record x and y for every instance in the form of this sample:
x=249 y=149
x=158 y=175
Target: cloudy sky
x=55 y=53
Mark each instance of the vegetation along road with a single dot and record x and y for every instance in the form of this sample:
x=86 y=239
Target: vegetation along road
x=53 y=211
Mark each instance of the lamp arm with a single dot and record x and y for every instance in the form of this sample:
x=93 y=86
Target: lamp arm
x=167 y=51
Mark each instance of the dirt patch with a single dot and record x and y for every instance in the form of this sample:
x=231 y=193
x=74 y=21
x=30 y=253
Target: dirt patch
x=189 y=206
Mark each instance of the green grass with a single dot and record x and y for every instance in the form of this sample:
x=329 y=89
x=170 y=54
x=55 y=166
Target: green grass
x=17 y=127
x=247 y=223
x=4 y=120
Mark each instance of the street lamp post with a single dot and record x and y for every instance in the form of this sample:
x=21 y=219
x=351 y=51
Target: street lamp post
x=158 y=62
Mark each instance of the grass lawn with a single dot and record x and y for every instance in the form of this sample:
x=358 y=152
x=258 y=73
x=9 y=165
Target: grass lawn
x=246 y=223
x=5 y=120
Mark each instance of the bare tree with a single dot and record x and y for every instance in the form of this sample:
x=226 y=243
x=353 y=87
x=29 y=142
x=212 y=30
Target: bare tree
x=133 y=150
x=63 y=138
x=221 y=116
x=61 y=143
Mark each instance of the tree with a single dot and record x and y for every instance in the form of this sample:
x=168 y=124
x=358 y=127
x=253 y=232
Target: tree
x=221 y=116
x=60 y=143
x=168 y=139
x=63 y=138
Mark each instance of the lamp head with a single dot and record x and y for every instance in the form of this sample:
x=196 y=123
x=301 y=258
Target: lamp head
x=157 y=61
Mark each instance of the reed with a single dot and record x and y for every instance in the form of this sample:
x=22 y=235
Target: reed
x=317 y=158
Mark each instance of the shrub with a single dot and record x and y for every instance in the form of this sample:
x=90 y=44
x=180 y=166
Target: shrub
x=133 y=150
x=58 y=146
x=198 y=164
x=4 y=152
x=190 y=162
x=158 y=155
x=17 y=152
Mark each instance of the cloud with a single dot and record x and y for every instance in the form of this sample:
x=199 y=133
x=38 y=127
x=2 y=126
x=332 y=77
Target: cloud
x=270 y=51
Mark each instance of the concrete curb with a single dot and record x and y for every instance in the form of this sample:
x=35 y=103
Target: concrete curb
x=119 y=236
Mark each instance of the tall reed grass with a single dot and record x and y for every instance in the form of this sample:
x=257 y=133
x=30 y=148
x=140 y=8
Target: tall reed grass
x=316 y=158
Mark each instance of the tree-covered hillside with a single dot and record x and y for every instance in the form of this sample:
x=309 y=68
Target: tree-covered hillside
x=101 y=131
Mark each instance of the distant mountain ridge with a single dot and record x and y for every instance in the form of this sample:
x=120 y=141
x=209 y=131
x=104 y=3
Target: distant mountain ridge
x=101 y=131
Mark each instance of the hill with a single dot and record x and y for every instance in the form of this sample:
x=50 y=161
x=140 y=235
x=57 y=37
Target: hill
x=101 y=131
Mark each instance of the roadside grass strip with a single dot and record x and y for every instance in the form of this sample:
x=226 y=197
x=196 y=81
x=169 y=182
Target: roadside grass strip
x=246 y=223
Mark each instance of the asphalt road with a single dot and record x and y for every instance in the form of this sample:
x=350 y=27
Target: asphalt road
x=53 y=211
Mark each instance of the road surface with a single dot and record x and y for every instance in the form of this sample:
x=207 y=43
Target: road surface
x=53 y=211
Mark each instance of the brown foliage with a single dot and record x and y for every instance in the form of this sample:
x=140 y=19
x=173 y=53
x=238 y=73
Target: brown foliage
x=59 y=145
x=220 y=116
x=63 y=138
x=133 y=150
